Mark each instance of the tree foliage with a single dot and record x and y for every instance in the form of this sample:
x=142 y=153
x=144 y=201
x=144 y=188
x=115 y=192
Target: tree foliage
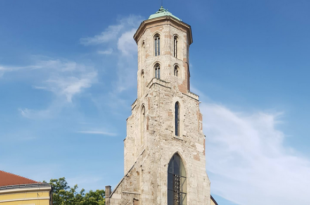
x=66 y=195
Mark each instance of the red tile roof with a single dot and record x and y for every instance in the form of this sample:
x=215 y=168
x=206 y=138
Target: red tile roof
x=7 y=179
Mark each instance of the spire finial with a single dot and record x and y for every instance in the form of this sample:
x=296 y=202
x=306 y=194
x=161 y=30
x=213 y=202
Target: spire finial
x=162 y=9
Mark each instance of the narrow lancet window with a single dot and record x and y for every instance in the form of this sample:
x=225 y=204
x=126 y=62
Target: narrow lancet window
x=175 y=53
x=157 y=44
x=142 y=121
x=142 y=85
x=143 y=50
x=176 y=70
x=157 y=71
x=177 y=119
x=177 y=186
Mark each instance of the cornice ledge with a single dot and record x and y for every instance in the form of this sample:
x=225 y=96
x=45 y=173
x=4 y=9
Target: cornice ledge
x=192 y=95
x=134 y=104
x=128 y=192
x=25 y=187
x=159 y=82
x=163 y=18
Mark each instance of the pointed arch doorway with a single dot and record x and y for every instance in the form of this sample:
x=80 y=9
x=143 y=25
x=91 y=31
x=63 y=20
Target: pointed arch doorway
x=177 y=185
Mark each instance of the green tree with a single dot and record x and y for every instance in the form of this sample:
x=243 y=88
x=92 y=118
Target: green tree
x=65 y=195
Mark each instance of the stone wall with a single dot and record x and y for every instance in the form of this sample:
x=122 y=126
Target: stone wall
x=147 y=60
x=160 y=144
x=151 y=142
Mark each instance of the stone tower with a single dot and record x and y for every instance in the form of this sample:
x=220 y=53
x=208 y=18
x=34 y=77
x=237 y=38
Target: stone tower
x=165 y=145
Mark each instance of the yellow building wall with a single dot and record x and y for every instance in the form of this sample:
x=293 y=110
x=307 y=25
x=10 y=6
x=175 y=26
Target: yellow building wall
x=20 y=198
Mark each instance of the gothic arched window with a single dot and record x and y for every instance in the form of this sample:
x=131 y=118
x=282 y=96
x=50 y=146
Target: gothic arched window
x=176 y=70
x=177 y=118
x=157 y=71
x=176 y=182
x=175 y=46
x=157 y=44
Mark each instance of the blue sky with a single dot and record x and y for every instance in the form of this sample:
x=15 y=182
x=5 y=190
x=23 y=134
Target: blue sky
x=68 y=78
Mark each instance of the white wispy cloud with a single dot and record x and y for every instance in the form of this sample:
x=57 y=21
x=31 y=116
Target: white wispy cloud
x=52 y=110
x=126 y=44
x=247 y=160
x=118 y=38
x=64 y=78
x=55 y=64
x=5 y=69
x=109 y=34
x=69 y=86
x=28 y=113
x=105 y=52
x=2 y=70
x=97 y=132
x=112 y=32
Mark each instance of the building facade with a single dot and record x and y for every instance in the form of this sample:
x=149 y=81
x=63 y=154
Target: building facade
x=17 y=190
x=164 y=150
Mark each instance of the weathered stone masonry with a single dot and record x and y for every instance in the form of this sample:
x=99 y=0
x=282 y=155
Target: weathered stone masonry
x=151 y=142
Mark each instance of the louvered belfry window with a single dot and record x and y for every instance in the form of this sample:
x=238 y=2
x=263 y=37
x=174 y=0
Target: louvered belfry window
x=177 y=184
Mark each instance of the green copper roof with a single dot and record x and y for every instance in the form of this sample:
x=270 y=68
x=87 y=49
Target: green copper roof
x=163 y=12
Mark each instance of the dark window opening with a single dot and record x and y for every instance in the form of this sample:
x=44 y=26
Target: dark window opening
x=157 y=71
x=175 y=53
x=176 y=71
x=176 y=182
x=177 y=119
x=157 y=45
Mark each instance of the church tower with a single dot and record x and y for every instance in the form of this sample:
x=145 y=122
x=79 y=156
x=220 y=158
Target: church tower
x=165 y=146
